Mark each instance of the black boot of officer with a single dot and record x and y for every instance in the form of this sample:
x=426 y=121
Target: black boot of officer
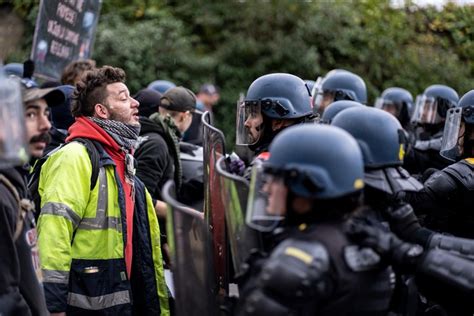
x=313 y=189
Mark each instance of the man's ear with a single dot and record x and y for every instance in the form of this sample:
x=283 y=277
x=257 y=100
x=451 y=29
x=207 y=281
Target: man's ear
x=101 y=111
x=277 y=124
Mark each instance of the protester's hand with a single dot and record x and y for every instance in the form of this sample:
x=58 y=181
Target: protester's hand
x=236 y=165
x=401 y=255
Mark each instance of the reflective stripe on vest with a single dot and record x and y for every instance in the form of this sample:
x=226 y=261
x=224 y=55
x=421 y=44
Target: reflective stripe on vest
x=98 y=302
x=101 y=220
x=55 y=276
x=60 y=209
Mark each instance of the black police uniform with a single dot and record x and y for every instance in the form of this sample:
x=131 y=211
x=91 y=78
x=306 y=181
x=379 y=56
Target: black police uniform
x=318 y=271
x=447 y=199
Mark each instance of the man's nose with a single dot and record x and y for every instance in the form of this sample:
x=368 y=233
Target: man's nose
x=44 y=124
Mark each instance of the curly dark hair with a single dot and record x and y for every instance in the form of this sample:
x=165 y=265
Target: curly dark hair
x=73 y=72
x=92 y=89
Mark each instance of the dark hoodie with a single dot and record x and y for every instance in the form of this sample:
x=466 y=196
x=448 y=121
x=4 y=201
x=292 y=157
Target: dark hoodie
x=156 y=156
x=20 y=291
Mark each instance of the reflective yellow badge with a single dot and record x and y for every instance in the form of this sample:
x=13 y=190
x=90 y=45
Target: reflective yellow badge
x=358 y=184
x=401 y=152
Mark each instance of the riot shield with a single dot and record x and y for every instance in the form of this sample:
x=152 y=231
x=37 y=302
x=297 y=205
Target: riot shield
x=214 y=148
x=242 y=239
x=191 y=253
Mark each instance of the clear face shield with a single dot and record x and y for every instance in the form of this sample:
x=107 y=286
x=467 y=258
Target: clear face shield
x=388 y=106
x=453 y=134
x=249 y=122
x=13 y=140
x=426 y=110
x=316 y=88
x=266 y=205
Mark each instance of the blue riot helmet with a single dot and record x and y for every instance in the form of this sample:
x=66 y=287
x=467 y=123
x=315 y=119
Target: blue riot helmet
x=458 y=134
x=317 y=84
x=310 y=84
x=336 y=107
x=432 y=106
x=13 y=69
x=342 y=85
x=161 y=85
x=398 y=102
x=382 y=141
x=330 y=169
x=278 y=96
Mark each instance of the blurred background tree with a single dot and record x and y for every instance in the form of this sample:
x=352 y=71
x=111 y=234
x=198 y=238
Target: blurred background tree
x=232 y=43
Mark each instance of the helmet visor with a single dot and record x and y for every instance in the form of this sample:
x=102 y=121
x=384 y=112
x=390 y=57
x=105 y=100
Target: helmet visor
x=450 y=147
x=249 y=122
x=13 y=145
x=322 y=100
x=426 y=110
x=388 y=106
x=266 y=205
x=314 y=92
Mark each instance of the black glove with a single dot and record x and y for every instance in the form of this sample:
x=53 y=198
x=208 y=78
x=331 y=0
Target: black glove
x=401 y=255
x=402 y=220
x=404 y=223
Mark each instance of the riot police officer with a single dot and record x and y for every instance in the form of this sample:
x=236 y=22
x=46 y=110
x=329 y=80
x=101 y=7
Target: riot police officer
x=341 y=85
x=447 y=197
x=273 y=102
x=313 y=189
x=380 y=137
x=399 y=103
x=429 y=115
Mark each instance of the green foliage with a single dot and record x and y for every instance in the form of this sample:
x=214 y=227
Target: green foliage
x=232 y=43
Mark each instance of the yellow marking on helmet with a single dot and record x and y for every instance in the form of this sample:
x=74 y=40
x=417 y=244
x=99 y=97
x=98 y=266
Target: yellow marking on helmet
x=302 y=226
x=299 y=254
x=470 y=160
x=358 y=184
x=401 y=152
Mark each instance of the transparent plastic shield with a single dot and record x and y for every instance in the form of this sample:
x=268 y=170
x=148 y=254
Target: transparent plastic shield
x=191 y=258
x=322 y=100
x=249 y=121
x=263 y=214
x=13 y=139
x=388 y=106
x=450 y=147
x=426 y=111
x=213 y=149
x=242 y=239
x=314 y=92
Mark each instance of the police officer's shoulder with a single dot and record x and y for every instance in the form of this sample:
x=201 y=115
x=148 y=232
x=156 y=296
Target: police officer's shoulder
x=463 y=171
x=297 y=269
x=441 y=183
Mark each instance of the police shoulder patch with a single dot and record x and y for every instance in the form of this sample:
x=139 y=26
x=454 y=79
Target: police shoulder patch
x=360 y=259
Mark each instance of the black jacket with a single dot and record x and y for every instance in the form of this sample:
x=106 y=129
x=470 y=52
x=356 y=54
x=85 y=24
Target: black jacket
x=156 y=157
x=20 y=291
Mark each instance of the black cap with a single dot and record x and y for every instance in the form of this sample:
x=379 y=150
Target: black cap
x=179 y=99
x=149 y=100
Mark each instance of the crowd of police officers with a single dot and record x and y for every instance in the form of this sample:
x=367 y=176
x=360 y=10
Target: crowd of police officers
x=334 y=208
